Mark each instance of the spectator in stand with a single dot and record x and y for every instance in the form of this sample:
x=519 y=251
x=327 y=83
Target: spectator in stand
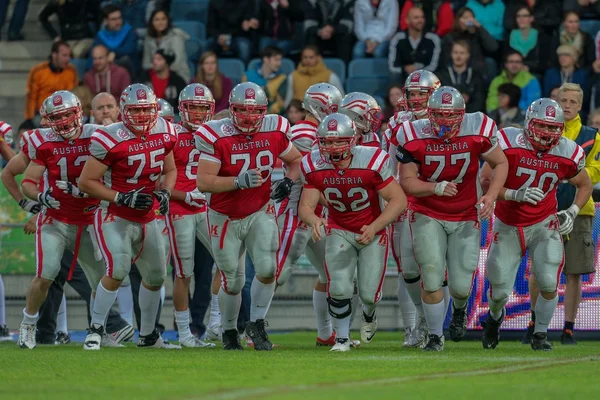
x=414 y=48
x=295 y=112
x=508 y=112
x=587 y=9
x=135 y=13
x=73 y=23
x=329 y=24
x=161 y=34
x=47 y=77
x=570 y=33
x=16 y=21
x=528 y=41
x=594 y=119
x=514 y=72
x=119 y=38
x=491 y=15
x=277 y=23
x=85 y=96
x=166 y=83
x=231 y=24
x=547 y=14
x=439 y=15
x=375 y=22
x=554 y=93
x=208 y=74
x=104 y=109
x=481 y=43
x=463 y=77
x=268 y=75
x=105 y=76
x=310 y=70
x=391 y=106
x=567 y=72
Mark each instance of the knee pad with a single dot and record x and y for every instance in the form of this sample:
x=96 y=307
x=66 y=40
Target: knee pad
x=499 y=293
x=432 y=281
x=546 y=282
x=284 y=274
x=340 y=303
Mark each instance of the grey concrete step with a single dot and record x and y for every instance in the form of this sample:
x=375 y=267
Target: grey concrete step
x=38 y=49
x=13 y=83
x=12 y=110
x=19 y=65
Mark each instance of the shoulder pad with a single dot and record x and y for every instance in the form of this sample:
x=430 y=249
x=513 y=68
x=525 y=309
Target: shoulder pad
x=275 y=123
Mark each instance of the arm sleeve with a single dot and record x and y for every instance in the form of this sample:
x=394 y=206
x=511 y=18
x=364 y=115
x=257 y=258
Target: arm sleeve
x=395 y=63
x=311 y=20
x=359 y=22
x=346 y=21
x=385 y=173
x=489 y=44
x=99 y=150
x=148 y=53
x=391 y=22
x=437 y=49
x=46 y=12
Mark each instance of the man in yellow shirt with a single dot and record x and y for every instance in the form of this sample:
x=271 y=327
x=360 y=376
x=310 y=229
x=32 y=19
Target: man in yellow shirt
x=579 y=246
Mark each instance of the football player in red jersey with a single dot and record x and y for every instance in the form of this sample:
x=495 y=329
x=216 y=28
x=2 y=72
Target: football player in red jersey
x=364 y=111
x=320 y=100
x=539 y=158
x=165 y=110
x=57 y=156
x=236 y=161
x=352 y=179
x=186 y=220
x=128 y=158
x=439 y=159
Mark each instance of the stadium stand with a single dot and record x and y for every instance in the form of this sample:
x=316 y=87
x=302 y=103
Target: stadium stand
x=190 y=10
x=287 y=65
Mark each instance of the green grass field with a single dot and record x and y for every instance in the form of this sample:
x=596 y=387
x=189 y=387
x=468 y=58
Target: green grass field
x=299 y=370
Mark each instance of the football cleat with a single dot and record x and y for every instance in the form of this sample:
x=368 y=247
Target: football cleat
x=491 y=331
x=528 y=336
x=93 y=340
x=434 y=343
x=154 y=340
x=368 y=327
x=567 y=337
x=4 y=334
x=193 y=341
x=256 y=331
x=417 y=335
x=326 y=342
x=231 y=340
x=123 y=335
x=341 y=344
x=27 y=336
x=62 y=338
x=213 y=333
x=108 y=341
x=458 y=324
x=539 y=341
x=354 y=343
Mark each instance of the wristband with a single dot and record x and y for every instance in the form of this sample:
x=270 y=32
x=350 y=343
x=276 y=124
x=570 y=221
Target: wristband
x=29 y=181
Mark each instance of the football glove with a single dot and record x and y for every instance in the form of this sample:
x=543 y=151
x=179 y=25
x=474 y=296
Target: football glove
x=69 y=188
x=135 y=199
x=281 y=189
x=530 y=195
x=163 y=196
x=566 y=218
x=47 y=200
x=248 y=179
x=195 y=198
x=30 y=206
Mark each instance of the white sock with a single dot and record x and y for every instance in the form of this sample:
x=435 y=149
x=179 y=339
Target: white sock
x=61 y=316
x=544 y=309
x=163 y=294
x=324 y=329
x=215 y=314
x=434 y=314
x=149 y=304
x=102 y=304
x=230 y=309
x=341 y=326
x=2 y=303
x=407 y=308
x=30 y=319
x=414 y=292
x=495 y=307
x=125 y=299
x=182 y=319
x=261 y=295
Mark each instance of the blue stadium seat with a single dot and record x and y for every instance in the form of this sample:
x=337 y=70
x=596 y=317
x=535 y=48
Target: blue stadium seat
x=368 y=67
x=337 y=66
x=81 y=64
x=193 y=49
x=380 y=101
x=190 y=10
x=196 y=30
x=287 y=65
x=232 y=68
x=373 y=85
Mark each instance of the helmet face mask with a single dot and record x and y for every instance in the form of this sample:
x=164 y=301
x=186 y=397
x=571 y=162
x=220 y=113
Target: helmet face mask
x=196 y=105
x=336 y=136
x=418 y=87
x=63 y=114
x=446 y=110
x=248 y=105
x=139 y=108
x=544 y=124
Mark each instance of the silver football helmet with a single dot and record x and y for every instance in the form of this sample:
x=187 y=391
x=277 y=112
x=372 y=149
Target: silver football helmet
x=165 y=110
x=248 y=105
x=63 y=113
x=139 y=108
x=446 y=109
x=336 y=136
x=419 y=85
x=196 y=105
x=321 y=100
x=44 y=121
x=364 y=111
x=544 y=123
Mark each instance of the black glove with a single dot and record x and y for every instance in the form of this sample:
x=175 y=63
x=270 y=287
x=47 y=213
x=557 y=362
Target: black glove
x=30 y=206
x=163 y=196
x=46 y=199
x=281 y=189
x=135 y=199
x=404 y=157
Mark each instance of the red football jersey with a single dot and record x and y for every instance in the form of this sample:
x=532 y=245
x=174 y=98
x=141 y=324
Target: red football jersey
x=6 y=134
x=528 y=167
x=64 y=161
x=352 y=193
x=453 y=160
x=133 y=162
x=186 y=160
x=370 y=140
x=220 y=142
